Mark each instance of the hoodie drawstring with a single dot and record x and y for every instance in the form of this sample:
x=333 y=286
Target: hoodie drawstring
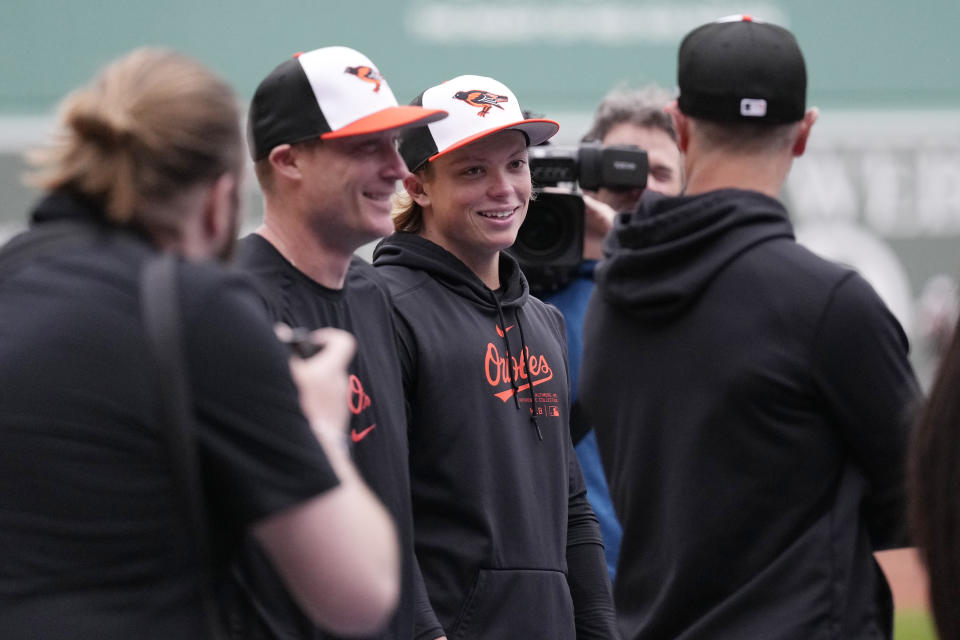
x=533 y=396
x=523 y=366
x=506 y=342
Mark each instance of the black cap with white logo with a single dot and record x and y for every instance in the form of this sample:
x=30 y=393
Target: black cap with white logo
x=740 y=69
x=333 y=92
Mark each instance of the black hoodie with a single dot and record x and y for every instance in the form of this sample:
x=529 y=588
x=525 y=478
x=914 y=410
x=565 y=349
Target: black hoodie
x=751 y=403
x=497 y=493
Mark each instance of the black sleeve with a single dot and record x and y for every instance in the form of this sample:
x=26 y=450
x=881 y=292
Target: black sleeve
x=587 y=572
x=590 y=590
x=259 y=452
x=872 y=394
x=426 y=626
x=579 y=425
x=406 y=352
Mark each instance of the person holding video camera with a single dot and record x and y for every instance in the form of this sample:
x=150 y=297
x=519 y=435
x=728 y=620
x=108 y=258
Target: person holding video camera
x=93 y=515
x=506 y=539
x=751 y=399
x=624 y=117
x=637 y=117
x=323 y=129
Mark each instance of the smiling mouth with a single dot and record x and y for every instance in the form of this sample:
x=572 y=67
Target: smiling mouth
x=497 y=215
x=379 y=197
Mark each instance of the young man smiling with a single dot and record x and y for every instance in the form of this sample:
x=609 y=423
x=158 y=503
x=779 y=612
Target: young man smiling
x=323 y=128
x=508 y=544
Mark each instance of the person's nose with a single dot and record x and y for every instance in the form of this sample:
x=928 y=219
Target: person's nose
x=500 y=185
x=394 y=167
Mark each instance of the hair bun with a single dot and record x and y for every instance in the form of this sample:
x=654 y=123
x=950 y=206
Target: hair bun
x=99 y=129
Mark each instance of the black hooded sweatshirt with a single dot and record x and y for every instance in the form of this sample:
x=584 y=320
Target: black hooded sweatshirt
x=499 y=504
x=751 y=402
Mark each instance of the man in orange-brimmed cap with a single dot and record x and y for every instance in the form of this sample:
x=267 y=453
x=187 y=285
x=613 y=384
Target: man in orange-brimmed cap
x=323 y=132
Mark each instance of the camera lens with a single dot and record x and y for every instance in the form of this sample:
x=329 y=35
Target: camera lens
x=543 y=231
x=549 y=245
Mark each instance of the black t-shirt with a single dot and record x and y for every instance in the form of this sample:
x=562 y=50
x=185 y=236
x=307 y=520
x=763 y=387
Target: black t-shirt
x=378 y=427
x=93 y=539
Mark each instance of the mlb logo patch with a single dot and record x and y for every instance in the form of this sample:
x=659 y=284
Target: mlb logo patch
x=753 y=107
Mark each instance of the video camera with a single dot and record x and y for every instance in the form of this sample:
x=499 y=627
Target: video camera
x=549 y=245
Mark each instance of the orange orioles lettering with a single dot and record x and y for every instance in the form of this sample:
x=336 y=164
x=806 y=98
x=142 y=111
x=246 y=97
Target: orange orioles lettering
x=499 y=370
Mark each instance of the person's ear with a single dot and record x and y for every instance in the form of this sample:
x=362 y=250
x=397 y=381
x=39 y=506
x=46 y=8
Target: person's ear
x=414 y=185
x=283 y=160
x=681 y=124
x=803 y=134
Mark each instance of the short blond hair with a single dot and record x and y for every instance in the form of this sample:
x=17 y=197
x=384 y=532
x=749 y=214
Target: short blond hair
x=150 y=125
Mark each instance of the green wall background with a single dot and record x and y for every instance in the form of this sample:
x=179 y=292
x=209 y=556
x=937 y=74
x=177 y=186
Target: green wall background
x=556 y=54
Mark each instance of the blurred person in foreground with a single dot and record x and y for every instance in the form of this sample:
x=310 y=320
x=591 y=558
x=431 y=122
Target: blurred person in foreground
x=148 y=160
x=625 y=116
x=506 y=539
x=933 y=476
x=323 y=135
x=751 y=400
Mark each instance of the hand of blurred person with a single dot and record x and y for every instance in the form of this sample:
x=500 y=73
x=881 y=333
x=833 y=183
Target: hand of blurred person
x=322 y=379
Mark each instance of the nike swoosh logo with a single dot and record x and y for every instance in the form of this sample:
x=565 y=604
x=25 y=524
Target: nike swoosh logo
x=357 y=437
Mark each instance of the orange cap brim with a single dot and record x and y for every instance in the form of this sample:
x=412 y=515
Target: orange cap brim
x=399 y=117
x=537 y=131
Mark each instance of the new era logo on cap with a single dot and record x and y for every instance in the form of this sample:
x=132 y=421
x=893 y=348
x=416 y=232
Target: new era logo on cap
x=478 y=106
x=742 y=69
x=330 y=92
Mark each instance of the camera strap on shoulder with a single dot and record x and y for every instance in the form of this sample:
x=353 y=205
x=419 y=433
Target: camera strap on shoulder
x=160 y=307
x=159 y=301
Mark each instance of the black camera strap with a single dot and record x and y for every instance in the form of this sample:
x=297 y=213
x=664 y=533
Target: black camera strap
x=160 y=307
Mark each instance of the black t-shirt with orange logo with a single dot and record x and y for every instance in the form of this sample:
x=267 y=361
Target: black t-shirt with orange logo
x=378 y=427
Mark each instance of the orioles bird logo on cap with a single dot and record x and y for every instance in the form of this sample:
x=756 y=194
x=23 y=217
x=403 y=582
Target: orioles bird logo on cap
x=367 y=74
x=483 y=100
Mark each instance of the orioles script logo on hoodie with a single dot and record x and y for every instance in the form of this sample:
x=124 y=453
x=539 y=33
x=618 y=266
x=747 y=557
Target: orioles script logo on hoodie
x=527 y=371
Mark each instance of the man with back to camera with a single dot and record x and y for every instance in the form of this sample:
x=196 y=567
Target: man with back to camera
x=624 y=116
x=323 y=128
x=755 y=451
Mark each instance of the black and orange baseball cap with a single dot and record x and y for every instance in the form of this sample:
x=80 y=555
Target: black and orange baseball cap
x=331 y=92
x=478 y=106
x=741 y=69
